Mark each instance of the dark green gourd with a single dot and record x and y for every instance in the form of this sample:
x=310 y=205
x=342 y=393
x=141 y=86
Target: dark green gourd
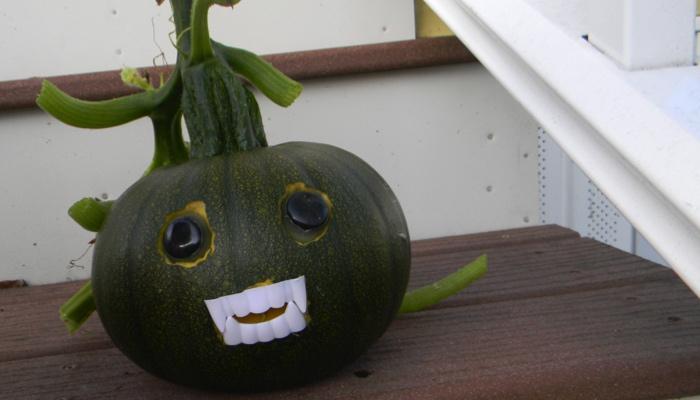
x=233 y=265
x=355 y=265
x=241 y=214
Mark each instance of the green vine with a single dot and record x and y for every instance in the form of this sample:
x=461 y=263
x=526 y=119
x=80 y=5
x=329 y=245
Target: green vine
x=90 y=213
x=277 y=86
x=78 y=308
x=429 y=295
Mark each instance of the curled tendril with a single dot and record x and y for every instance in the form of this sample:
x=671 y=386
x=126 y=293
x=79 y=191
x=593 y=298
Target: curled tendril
x=175 y=43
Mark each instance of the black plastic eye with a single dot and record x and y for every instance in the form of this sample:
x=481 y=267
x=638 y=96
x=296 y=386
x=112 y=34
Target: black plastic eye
x=307 y=210
x=182 y=238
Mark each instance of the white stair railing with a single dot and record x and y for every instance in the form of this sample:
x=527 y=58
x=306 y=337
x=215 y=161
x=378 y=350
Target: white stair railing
x=633 y=133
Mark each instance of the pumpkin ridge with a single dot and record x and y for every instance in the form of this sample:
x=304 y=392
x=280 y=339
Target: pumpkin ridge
x=343 y=158
x=191 y=184
x=185 y=179
x=256 y=162
x=300 y=166
x=330 y=155
x=226 y=199
x=133 y=307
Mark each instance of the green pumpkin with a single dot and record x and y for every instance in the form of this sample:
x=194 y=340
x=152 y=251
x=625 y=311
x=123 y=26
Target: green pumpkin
x=355 y=265
x=233 y=265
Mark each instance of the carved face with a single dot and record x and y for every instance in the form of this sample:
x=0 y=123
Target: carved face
x=267 y=310
x=250 y=271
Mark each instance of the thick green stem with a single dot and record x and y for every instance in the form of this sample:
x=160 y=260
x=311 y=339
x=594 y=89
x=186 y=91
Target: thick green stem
x=106 y=113
x=95 y=114
x=269 y=80
x=201 y=43
x=170 y=149
x=427 y=296
x=78 y=308
x=90 y=213
x=182 y=16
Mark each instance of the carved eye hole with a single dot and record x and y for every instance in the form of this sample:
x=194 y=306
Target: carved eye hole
x=307 y=210
x=182 y=238
x=186 y=238
x=306 y=213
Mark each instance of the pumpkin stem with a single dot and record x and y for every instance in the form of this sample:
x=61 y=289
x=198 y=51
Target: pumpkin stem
x=96 y=114
x=90 y=213
x=162 y=105
x=170 y=148
x=201 y=43
x=222 y=115
x=429 y=295
x=182 y=17
x=78 y=308
x=274 y=84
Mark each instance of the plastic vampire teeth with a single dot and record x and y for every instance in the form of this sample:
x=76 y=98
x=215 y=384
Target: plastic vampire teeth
x=260 y=314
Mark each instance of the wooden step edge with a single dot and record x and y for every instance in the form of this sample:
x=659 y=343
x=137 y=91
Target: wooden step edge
x=492 y=239
x=300 y=65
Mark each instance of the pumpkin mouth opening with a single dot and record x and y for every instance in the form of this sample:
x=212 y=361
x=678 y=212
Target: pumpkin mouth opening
x=256 y=318
x=260 y=314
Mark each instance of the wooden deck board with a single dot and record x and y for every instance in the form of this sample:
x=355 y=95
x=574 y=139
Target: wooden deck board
x=617 y=328
x=442 y=256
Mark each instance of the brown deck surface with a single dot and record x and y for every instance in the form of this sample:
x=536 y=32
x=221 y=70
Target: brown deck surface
x=556 y=317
